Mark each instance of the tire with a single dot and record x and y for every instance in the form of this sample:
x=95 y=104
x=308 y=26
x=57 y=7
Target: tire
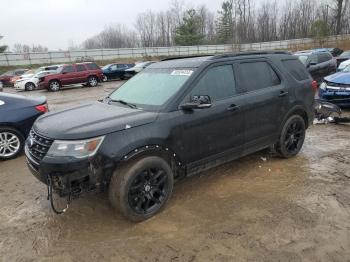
x=141 y=188
x=104 y=78
x=54 y=86
x=92 y=81
x=292 y=137
x=29 y=86
x=11 y=143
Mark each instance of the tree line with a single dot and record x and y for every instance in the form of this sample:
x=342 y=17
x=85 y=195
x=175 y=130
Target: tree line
x=237 y=21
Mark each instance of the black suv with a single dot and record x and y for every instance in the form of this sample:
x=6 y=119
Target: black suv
x=319 y=63
x=176 y=118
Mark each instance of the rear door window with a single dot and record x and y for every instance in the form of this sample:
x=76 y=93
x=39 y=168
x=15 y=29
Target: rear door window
x=81 y=68
x=92 y=66
x=253 y=76
x=296 y=69
x=218 y=83
x=324 y=57
x=69 y=69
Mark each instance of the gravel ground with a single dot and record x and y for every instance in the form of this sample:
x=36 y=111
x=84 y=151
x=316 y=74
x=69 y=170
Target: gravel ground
x=254 y=209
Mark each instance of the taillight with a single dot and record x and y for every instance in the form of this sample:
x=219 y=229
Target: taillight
x=42 y=108
x=314 y=85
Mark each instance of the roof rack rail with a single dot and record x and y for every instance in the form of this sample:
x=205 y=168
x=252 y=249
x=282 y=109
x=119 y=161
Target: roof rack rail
x=251 y=53
x=182 y=57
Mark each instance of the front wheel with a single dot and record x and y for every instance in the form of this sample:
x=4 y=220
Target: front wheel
x=292 y=137
x=104 y=78
x=54 y=86
x=141 y=189
x=11 y=143
x=92 y=81
x=29 y=86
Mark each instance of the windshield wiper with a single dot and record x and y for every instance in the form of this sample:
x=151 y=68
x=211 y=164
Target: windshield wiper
x=123 y=102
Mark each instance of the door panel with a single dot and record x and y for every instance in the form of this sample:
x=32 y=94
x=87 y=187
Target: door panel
x=212 y=132
x=265 y=102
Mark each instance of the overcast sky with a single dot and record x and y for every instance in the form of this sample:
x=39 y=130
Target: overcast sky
x=54 y=23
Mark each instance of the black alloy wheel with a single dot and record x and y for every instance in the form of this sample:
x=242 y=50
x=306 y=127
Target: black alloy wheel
x=148 y=191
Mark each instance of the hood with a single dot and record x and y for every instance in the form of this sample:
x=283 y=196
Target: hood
x=91 y=120
x=339 y=78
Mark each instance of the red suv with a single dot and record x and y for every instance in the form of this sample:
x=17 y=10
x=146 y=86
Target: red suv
x=82 y=73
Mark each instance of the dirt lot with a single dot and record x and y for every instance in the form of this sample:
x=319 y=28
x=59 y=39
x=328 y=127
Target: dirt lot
x=247 y=210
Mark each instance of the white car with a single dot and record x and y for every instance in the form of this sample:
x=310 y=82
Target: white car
x=344 y=64
x=30 y=83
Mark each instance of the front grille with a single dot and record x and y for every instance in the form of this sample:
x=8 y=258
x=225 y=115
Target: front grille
x=37 y=146
x=337 y=84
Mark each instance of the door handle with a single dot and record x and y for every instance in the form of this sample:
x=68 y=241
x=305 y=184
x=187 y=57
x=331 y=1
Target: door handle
x=233 y=107
x=283 y=93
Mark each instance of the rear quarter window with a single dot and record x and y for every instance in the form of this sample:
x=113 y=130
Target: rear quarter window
x=296 y=69
x=92 y=66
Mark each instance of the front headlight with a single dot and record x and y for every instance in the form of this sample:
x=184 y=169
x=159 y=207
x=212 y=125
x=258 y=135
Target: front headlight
x=76 y=148
x=323 y=86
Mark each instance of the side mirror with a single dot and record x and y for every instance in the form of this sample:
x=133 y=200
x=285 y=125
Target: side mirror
x=198 y=102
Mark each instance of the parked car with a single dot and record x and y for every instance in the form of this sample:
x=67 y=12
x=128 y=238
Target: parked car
x=32 y=72
x=318 y=63
x=115 y=71
x=343 y=57
x=137 y=68
x=17 y=115
x=334 y=51
x=336 y=88
x=6 y=77
x=344 y=64
x=82 y=73
x=176 y=118
x=31 y=83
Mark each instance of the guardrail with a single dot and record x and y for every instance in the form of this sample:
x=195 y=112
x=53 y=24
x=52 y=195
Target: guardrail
x=57 y=57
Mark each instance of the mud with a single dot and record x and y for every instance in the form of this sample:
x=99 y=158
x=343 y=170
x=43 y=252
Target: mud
x=248 y=210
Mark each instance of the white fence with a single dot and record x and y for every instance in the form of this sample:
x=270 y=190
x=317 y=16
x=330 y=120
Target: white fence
x=9 y=59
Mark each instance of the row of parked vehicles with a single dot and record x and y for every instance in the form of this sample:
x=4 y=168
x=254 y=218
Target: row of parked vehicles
x=54 y=77
x=176 y=118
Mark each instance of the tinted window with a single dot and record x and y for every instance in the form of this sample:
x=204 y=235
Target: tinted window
x=324 y=57
x=68 y=69
x=113 y=68
x=296 y=69
x=81 y=68
x=314 y=59
x=218 y=83
x=92 y=66
x=121 y=66
x=257 y=75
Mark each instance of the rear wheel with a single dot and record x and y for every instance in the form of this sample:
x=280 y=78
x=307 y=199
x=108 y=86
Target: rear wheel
x=141 y=189
x=92 y=81
x=292 y=137
x=29 y=86
x=11 y=143
x=54 y=86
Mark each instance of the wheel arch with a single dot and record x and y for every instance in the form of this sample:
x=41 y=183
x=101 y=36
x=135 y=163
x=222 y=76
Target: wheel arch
x=297 y=110
x=155 y=150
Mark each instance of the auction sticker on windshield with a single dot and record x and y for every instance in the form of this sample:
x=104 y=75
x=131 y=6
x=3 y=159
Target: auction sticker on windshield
x=181 y=73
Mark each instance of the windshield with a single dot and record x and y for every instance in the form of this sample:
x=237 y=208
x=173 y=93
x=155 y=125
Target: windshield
x=106 y=67
x=152 y=88
x=303 y=58
x=346 y=53
x=143 y=64
x=347 y=69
